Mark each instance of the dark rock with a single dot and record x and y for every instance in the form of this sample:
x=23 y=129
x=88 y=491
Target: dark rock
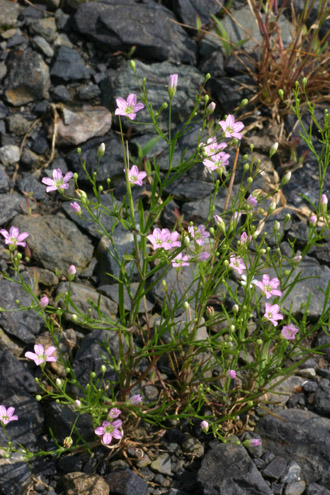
x=148 y=27
x=65 y=245
x=15 y=476
x=60 y=93
x=189 y=190
x=126 y=482
x=4 y=188
x=19 y=379
x=301 y=436
x=69 y=66
x=322 y=398
x=90 y=356
x=22 y=324
x=228 y=469
x=315 y=489
x=60 y=419
x=8 y=15
x=188 y=10
x=27 y=79
x=157 y=75
x=230 y=91
x=275 y=468
x=30 y=185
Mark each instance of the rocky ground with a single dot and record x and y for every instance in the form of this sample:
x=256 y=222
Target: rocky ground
x=62 y=66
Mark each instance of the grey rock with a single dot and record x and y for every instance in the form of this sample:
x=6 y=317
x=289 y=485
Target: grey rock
x=162 y=464
x=148 y=27
x=60 y=418
x=315 y=489
x=4 y=187
x=69 y=66
x=65 y=245
x=9 y=207
x=295 y=488
x=92 y=354
x=323 y=339
x=8 y=15
x=322 y=398
x=31 y=186
x=27 y=79
x=15 y=475
x=230 y=91
x=43 y=46
x=188 y=10
x=46 y=28
x=76 y=127
x=123 y=83
x=81 y=295
x=89 y=92
x=80 y=483
x=9 y=154
x=19 y=379
x=275 y=468
x=189 y=190
x=228 y=469
x=126 y=482
x=18 y=124
x=303 y=437
x=21 y=324
x=111 y=165
x=112 y=291
x=60 y=93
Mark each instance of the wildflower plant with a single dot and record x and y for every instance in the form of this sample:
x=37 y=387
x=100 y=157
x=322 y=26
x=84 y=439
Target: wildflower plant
x=203 y=325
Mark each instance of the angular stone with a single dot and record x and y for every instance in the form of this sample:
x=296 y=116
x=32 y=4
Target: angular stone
x=76 y=127
x=69 y=66
x=126 y=482
x=162 y=464
x=301 y=436
x=85 y=484
x=55 y=242
x=81 y=294
x=46 y=28
x=188 y=10
x=15 y=474
x=275 y=469
x=8 y=15
x=228 y=469
x=9 y=154
x=148 y=27
x=21 y=324
x=60 y=418
x=123 y=83
x=27 y=79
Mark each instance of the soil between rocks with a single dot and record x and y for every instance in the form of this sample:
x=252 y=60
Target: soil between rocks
x=68 y=63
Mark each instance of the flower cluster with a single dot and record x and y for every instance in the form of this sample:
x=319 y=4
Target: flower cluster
x=110 y=429
x=163 y=238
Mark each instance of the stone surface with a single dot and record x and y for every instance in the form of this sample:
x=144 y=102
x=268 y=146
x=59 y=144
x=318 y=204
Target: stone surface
x=77 y=127
x=9 y=155
x=65 y=245
x=148 y=27
x=126 y=482
x=78 y=483
x=27 y=78
x=228 y=469
x=8 y=15
x=69 y=66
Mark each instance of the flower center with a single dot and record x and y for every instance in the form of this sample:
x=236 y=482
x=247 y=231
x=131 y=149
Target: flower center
x=109 y=429
x=129 y=109
x=13 y=240
x=268 y=288
x=133 y=178
x=59 y=183
x=229 y=129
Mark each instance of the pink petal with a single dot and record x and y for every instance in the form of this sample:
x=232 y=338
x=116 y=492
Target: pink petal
x=131 y=100
x=3 y=411
x=22 y=236
x=121 y=103
x=31 y=355
x=117 y=434
x=68 y=176
x=138 y=107
x=107 y=437
x=57 y=174
x=39 y=349
x=99 y=430
x=47 y=181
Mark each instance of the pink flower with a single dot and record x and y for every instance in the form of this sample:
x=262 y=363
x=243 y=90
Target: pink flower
x=180 y=260
x=158 y=238
x=203 y=256
x=172 y=240
x=136 y=177
x=231 y=128
x=42 y=355
x=252 y=201
x=136 y=399
x=324 y=200
x=6 y=415
x=237 y=264
x=289 y=332
x=231 y=373
x=245 y=238
x=14 y=237
x=114 y=413
x=211 y=148
x=218 y=162
x=313 y=219
x=253 y=442
x=128 y=108
x=269 y=287
x=58 y=182
x=109 y=430
x=76 y=207
x=272 y=313
x=44 y=301
x=205 y=426
x=172 y=85
x=199 y=234
x=72 y=270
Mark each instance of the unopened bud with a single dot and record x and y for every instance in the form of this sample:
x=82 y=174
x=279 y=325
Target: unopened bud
x=277 y=226
x=272 y=207
x=133 y=64
x=211 y=107
x=101 y=149
x=186 y=306
x=286 y=178
x=273 y=149
x=58 y=382
x=205 y=426
x=281 y=94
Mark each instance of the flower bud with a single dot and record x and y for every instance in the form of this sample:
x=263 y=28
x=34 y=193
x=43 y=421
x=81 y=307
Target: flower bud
x=172 y=85
x=211 y=107
x=324 y=200
x=72 y=270
x=207 y=76
x=313 y=219
x=76 y=208
x=273 y=149
x=101 y=149
x=58 y=382
x=286 y=178
x=277 y=226
x=281 y=94
x=103 y=369
x=44 y=301
x=186 y=306
x=132 y=64
x=272 y=207
x=135 y=399
x=252 y=442
x=67 y=442
x=74 y=317
x=205 y=426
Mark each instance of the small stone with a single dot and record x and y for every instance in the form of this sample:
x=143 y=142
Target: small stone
x=275 y=468
x=43 y=45
x=18 y=124
x=9 y=154
x=85 y=484
x=307 y=373
x=126 y=482
x=295 y=488
x=162 y=464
